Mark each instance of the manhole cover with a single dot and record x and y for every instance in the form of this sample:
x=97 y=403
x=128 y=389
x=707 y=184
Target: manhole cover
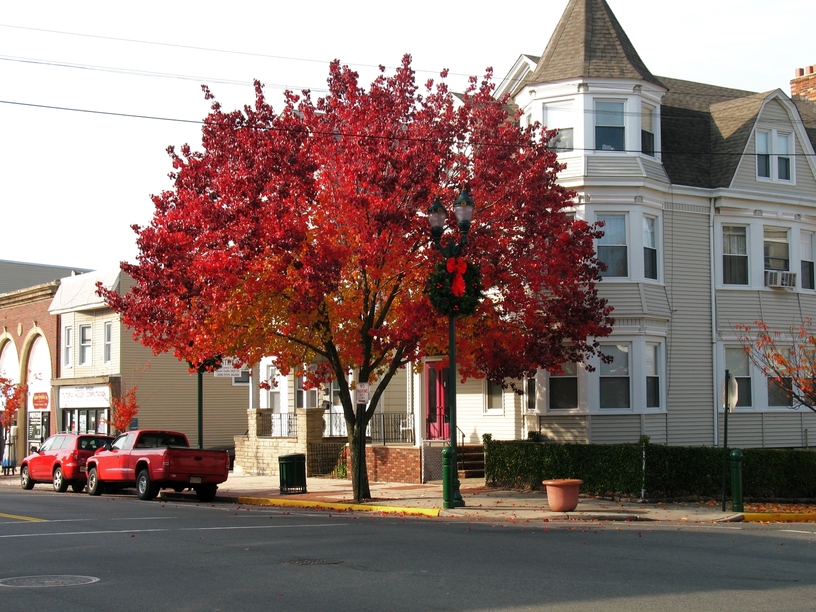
x=312 y=562
x=47 y=581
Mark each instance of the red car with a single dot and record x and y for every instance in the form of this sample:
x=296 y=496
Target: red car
x=61 y=460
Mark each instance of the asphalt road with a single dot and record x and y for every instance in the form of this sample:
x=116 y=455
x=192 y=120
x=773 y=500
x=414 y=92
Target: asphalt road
x=184 y=556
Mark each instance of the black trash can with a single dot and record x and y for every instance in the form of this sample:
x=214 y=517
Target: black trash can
x=292 y=470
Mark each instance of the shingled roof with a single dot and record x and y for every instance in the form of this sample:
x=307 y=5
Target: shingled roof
x=589 y=42
x=704 y=130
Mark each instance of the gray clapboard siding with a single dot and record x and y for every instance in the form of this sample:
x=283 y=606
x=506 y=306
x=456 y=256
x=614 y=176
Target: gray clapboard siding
x=613 y=166
x=653 y=169
x=655 y=426
x=690 y=418
x=779 y=308
x=615 y=429
x=625 y=297
x=565 y=428
x=168 y=396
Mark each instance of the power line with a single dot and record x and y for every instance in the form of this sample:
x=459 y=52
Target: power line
x=369 y=136
x=207 y=49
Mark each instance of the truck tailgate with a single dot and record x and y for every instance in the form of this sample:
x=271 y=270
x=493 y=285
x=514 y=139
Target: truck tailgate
x=193 y=461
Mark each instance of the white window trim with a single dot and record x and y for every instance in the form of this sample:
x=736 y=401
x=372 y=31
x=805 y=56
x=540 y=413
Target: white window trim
x=85 y=350
x=67 y=346
x=626 y=125
x=626 y=221
x=487 y=410
x=773 y=155
x=107 y=342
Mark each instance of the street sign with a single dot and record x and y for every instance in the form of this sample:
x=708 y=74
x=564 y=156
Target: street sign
x=227 y=369
x=733 y=393
x=362 y=393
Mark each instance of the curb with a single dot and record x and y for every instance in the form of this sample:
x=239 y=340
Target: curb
x=779 y=517
x=318 y=505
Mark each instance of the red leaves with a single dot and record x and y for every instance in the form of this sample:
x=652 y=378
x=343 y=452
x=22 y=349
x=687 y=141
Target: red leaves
x=302 y=234
x=124 y=409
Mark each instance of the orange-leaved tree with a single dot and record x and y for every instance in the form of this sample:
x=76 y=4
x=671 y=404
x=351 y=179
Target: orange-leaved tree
x=786 y=357
x=303 y=235
x=124 y=409
x=12 y=396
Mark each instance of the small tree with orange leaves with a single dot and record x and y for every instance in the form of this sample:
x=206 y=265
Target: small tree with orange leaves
x=12 y=396
x=788 y=357
x=123 y=410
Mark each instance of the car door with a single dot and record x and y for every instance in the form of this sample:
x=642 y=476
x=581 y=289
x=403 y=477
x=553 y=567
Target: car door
x=39 y=465
x=110 y=462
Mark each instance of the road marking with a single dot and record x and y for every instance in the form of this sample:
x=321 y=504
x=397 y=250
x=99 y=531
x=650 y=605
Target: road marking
x=132 y=531
x=796 y=531
x=23 y=518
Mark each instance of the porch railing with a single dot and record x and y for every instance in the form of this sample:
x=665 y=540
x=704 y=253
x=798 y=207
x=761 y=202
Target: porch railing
x=384 y=427
x=391 y=427
x=277 y=425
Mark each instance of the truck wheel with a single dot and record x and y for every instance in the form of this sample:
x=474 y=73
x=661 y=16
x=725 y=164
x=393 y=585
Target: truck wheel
x=25 y=479
x=145 y=489
x=60 y=484
x=95 y=485
x=206 y=493
x=77 y=487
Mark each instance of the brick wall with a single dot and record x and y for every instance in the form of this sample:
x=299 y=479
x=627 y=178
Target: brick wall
x=394 y=464
x=804 y=84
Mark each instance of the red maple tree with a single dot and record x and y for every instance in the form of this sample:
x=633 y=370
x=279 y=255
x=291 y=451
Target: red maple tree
x=303 y=235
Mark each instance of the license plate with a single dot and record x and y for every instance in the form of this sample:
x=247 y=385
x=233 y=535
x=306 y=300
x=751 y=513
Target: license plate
x=82 y=468
x=195 y=479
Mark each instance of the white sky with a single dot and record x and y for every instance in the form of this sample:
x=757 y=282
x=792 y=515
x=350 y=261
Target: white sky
x=72 y=183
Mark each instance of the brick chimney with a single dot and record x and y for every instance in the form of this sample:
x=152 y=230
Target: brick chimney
x=804 y=83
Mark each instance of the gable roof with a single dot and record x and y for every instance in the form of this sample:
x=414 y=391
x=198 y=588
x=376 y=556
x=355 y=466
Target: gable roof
x=589 y=42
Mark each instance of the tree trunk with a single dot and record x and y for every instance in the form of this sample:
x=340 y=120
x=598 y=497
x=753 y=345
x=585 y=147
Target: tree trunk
x=359 y=472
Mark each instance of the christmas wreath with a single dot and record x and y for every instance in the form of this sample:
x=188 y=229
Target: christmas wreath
x=455 y=287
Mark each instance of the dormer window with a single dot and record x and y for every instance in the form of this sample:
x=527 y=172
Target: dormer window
x=773 y=154
x=647 y=137
x=559 y=116
x=609 y=127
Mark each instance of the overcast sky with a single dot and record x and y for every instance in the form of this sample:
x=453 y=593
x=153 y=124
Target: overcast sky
x=72 y=183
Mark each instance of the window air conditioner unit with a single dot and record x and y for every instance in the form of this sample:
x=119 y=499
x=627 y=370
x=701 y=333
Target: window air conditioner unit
x=776 y=278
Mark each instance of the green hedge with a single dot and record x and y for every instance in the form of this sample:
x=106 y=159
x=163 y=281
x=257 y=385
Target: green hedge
x=671 y=471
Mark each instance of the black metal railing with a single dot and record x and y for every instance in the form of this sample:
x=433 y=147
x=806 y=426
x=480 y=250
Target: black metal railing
x=277 y=425
x=391 y=427
x=384 y=427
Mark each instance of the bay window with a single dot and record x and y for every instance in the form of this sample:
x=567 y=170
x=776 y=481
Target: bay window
x=563 y=388
x=806 y=257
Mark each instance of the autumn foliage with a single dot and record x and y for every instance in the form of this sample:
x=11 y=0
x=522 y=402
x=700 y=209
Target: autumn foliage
x=785 y=356
x=123 y=410
x=13 y=395
x=303 y=235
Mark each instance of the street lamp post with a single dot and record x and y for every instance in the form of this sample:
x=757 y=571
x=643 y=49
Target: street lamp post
x=437 y=215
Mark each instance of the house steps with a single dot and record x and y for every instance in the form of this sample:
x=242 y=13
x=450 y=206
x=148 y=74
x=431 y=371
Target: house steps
x=471 y=461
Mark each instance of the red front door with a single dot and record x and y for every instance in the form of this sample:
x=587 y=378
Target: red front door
x=436 y=413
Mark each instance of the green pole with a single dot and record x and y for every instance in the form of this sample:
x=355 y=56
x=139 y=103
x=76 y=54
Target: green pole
x=458 y=502
x=736 y=481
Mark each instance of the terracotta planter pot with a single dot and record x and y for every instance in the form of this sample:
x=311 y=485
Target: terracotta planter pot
x=562 y=494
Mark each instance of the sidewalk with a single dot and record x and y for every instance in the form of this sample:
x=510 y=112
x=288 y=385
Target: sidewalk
x=481 y=503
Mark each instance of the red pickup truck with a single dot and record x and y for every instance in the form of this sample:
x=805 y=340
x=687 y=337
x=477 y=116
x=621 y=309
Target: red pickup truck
x=154 y=459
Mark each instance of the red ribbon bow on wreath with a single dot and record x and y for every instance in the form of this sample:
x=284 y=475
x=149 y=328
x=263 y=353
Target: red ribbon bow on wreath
x=457 y=266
